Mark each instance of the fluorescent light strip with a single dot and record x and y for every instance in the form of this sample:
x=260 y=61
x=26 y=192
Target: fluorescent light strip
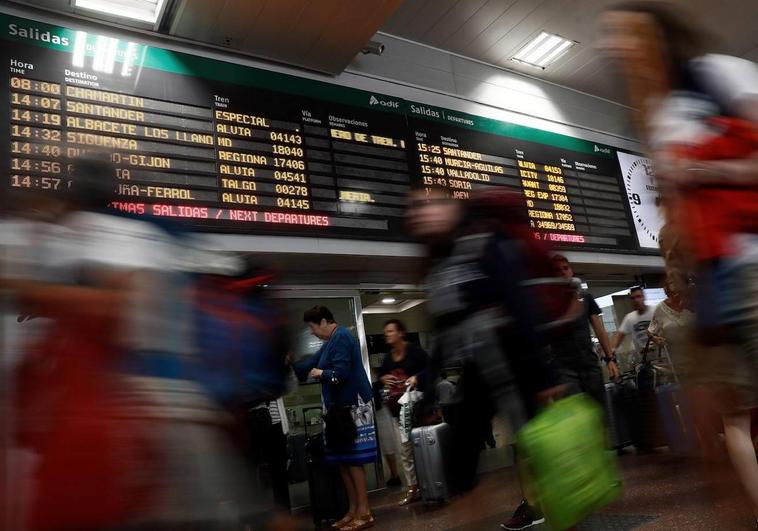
x=110 y=55
x=543 y=50
x=101 y=50
x=565 y=45
x=523 y=52
x=80 y=49
x=131 y=51
x=142 y=10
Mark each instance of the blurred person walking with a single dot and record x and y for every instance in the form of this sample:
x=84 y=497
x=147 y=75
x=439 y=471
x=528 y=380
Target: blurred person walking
x=483 y=255
x=346 y=394
x=446 y=397
x=101 y=397
x=699 y=118
x=402 y=368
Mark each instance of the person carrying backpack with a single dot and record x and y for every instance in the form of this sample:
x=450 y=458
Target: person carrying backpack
x=494 y=301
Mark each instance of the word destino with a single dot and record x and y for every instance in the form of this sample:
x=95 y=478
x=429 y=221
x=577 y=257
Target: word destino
x=36 y=35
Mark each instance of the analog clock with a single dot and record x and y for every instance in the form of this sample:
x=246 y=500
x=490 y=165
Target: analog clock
x=644 y=197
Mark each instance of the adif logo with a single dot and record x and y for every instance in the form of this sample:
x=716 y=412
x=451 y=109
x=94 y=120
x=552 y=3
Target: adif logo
x=598 y=149
x=373 y=100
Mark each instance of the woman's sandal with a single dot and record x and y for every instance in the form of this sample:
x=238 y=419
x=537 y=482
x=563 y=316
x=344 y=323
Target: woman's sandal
x=359 y=522
x=349 y=517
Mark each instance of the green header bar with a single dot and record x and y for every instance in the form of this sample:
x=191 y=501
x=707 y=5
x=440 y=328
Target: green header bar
x=497 y=127
x=63 y=40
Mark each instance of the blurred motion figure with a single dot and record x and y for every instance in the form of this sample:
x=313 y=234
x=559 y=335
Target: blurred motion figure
x=125 y=438
x=698 y=114
x=491 y=316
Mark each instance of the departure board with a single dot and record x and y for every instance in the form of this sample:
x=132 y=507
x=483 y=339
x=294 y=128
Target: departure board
x=229 y=148
x=572 y=193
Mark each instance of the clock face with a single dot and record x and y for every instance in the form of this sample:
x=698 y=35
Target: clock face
x=644 y=197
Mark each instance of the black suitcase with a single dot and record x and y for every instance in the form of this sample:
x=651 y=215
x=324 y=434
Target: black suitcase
x=620 y=406
x=649 y=433
x=328 y=497
x=297 y=469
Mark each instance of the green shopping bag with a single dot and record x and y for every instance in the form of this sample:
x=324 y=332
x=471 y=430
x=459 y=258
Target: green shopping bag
x=566 y=466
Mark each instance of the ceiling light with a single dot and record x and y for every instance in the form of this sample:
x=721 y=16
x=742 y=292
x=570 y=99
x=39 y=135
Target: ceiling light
x=543 y=50
x=388 y=300
x=142 y=10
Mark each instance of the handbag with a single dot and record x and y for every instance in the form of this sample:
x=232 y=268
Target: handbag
x=340 y=430
x=566 y=465
x=407 y=404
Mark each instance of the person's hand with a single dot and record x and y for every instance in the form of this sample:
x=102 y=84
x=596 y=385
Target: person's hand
x=315 y=373
x=613 y=370
x=658 y=340
x=411 y=382
x=388 y=380
x=548 y=395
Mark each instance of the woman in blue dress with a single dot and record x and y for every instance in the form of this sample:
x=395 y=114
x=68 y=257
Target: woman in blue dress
x=344 y=384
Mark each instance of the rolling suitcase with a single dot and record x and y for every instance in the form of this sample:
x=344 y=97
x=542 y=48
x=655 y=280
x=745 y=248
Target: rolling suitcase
x=678 y=424
x=326 y=491
x=620 y=406
x=297 y=470
x=431 y=445
x=648 y=434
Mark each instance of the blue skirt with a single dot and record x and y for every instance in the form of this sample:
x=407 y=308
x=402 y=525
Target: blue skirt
x=363 y=450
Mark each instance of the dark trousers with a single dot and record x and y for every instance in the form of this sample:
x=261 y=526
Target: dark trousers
x=470 y=420
x=587 y=379
x=266 y=452
x=275 y=459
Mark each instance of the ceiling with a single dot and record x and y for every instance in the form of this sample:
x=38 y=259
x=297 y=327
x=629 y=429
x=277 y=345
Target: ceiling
x=321 y=35
x=492 y=31
x=325 y=35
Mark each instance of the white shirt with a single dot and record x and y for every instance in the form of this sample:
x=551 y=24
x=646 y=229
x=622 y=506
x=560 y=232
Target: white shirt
x=636 y=324
x=155 y=317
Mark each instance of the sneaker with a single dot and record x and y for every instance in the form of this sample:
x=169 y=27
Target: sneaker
x=524 y=517
x=394 y=482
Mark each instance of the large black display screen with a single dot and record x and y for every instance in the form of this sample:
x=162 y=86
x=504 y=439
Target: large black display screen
x=236 y=149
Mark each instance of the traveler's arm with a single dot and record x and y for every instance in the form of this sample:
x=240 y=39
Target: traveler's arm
x=602 y=336
x=103 y=300
x=340 y=362
x=422 y=367
x=303 y=367
x=618 y=337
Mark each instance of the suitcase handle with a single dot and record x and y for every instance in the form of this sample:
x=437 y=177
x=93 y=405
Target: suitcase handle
x=305 y=419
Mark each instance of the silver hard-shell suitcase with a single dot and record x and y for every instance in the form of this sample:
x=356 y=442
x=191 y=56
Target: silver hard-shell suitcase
x=430 y=448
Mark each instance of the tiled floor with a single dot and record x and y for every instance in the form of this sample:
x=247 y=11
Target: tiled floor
x=661 y=493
